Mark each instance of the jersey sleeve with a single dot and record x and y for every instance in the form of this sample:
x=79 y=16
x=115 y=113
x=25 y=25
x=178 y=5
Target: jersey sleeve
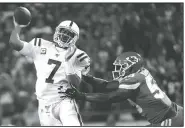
x=82 y=63
x=78 y=64
x=132 y=81
x=29 y=49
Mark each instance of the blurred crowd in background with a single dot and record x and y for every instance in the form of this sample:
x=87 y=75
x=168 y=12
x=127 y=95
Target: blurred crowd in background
x=153 y=30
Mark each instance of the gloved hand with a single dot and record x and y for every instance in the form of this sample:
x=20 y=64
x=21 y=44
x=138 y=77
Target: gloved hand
x=74 y=93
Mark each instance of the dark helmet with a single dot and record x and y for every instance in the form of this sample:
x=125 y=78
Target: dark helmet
x=126 y=64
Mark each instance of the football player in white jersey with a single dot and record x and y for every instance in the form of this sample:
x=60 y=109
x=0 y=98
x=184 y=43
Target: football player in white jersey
x=59 y=65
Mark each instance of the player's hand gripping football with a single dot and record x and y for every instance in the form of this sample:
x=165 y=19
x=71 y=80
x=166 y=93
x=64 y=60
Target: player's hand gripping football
x=22 y=17
x=17 y=25
x=74 y=93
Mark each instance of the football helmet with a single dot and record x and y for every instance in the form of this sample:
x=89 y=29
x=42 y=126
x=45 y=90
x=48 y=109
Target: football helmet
x=126 y=64
x=66 y=34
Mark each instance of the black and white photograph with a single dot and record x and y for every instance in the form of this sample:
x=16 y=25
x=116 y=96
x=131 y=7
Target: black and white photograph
x=100 y=64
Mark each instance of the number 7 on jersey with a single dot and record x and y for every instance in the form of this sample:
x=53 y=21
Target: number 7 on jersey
x=57 y=65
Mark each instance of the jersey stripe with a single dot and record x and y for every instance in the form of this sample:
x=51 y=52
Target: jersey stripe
x=166 y=123
x=71 y=24
x=35 y=41
x=39 y=42
x=71 y=54
x=83 y=58
x=170 y=122
x=78 y=115
x=80 y=55
x=132 y=102
x=126 y=86
x=162 y=124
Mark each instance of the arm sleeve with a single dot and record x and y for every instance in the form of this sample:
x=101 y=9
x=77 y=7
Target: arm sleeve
x=82 y=64
x=100 y=85
x=78 y=65
x=93 y=81
x=111 y=97
x=28 y=49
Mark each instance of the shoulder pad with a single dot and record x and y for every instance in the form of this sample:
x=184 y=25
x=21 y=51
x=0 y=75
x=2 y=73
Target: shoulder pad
x=82 y=58
x=38 y=42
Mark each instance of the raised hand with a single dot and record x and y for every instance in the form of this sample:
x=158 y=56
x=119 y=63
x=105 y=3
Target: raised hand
x=17 y=25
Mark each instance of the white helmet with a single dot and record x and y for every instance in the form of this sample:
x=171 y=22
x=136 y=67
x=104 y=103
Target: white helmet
x=66 y=34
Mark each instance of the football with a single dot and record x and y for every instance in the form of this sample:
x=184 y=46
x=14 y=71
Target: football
x=22 y=16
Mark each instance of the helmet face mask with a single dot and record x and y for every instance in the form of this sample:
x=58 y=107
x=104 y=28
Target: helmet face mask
x=116 y=72
x=66 y=34
x=120 y=70
x=124 y=63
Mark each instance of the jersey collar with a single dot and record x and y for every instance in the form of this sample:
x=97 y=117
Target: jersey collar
x=59 y=49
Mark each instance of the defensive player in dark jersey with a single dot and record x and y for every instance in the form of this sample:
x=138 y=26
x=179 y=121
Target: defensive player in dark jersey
x=134 y=83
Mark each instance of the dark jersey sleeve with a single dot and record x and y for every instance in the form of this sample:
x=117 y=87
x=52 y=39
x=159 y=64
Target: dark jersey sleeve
x=74 y=80
x=100 y=85
x=111 y=97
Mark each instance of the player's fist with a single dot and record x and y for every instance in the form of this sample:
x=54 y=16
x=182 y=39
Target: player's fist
x=22 y=17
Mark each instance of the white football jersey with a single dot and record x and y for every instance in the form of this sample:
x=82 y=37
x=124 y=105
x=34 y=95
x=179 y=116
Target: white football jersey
x=50 y=65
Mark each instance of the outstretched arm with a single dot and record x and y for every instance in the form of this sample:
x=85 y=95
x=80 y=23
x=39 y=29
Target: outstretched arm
x=93 y=80
x=17 y=44
x=100 y=85
x=125 y=89
x=112 y=97
x=115 y=96
x=15 y=41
